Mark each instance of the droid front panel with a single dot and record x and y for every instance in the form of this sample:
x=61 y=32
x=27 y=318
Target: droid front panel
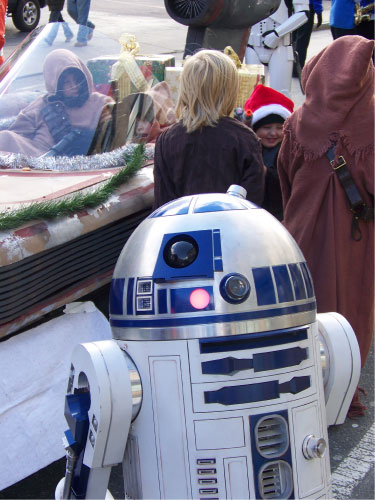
x=207 y=429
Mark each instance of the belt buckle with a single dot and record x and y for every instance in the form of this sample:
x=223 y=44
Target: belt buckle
x=341 y=163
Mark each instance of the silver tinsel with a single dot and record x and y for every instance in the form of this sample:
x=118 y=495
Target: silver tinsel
x=116 y=158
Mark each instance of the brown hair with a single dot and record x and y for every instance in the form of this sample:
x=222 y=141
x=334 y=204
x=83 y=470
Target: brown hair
x=208 y=89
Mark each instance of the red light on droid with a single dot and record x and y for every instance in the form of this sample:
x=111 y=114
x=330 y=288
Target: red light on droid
x=199 y=298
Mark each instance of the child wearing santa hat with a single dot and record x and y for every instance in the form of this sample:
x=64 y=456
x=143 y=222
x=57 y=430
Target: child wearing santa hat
x=270 y=109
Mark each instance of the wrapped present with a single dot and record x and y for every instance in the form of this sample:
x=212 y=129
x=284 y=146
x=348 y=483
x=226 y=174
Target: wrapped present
x=153 y=66
x=125 y=71
x=152 y=69
x=132 y=72
x=250 y=76
x=172 y=77
x=101 y=68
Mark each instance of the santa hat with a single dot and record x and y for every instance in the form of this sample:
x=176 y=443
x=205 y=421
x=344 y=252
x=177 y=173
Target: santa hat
x=268 y=106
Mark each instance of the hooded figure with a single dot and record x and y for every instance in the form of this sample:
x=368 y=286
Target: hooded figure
x=339 y=108
x=70 y=104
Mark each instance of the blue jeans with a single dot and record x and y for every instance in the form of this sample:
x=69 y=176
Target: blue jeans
x=56 y=17
x=79 y=11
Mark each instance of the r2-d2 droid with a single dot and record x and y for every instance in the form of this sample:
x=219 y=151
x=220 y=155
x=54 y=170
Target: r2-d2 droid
x=270 y=42
x=212 y=387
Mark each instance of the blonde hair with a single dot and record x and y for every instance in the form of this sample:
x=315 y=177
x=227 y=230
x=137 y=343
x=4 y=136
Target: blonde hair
x=208 y=89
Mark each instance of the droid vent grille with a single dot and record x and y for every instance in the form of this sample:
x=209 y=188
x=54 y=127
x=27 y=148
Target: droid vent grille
x=272 y=437
x=275 y=480
x=188 y=9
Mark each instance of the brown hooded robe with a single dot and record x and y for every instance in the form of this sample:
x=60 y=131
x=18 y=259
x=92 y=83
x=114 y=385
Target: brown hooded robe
x=339 y=107
x=29 y=134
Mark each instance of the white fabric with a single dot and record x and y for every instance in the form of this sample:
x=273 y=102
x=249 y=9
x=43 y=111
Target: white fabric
x=34 y=374
x=270 y=109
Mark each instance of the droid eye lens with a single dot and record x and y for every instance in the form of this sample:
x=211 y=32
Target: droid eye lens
x=235 y=288
x=180 y=251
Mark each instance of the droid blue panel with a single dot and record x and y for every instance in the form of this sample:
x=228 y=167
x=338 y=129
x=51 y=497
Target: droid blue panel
x=181 y=300
x=116 y=296
x=252 y=393
x=202 y=267
x=129 y=296
x=308 y=281
x=218 y=261
x=259 y=362
x=283 y=284
x=264 y=286
x=252 y=341
x=162 y=301
x=297 y=279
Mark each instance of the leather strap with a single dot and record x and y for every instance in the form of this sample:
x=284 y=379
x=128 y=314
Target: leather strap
x=357 y=206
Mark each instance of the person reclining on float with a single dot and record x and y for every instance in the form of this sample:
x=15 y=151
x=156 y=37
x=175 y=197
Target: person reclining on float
x=63 y=121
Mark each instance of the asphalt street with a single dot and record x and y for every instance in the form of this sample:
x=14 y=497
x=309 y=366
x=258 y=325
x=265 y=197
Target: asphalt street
x=351 y=444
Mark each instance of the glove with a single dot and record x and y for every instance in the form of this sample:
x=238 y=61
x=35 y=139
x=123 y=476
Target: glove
x=76 y=142
x=319 y=18
x=271 y=39
x=57 y=120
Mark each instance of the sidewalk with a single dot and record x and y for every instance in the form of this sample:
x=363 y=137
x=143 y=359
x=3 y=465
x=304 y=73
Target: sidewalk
x=326 y=9
x=320 y=38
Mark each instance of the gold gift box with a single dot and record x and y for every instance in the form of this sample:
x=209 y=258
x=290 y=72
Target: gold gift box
x=251 y=75
x=172 y=77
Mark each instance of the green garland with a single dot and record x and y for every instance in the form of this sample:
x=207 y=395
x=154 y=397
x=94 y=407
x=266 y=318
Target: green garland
x=77 y=202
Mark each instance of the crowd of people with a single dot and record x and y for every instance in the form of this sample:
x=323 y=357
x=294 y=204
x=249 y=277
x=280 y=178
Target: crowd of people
x=288 y=161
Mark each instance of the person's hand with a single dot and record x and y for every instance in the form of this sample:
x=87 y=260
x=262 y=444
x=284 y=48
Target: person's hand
x=271 y=39
x=57 y=120
x=319 y=19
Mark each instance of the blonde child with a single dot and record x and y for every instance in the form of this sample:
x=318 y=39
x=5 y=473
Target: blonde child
x=206 y=150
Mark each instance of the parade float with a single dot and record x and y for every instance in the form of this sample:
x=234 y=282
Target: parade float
x=65 y=215
x=56 y=207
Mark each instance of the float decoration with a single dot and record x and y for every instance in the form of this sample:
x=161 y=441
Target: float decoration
x=79 y=201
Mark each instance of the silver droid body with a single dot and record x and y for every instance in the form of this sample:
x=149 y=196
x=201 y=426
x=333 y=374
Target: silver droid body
x=213 y=302
x=220 y=375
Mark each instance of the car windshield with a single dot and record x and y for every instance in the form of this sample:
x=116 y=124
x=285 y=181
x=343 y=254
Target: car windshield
x=58 y=100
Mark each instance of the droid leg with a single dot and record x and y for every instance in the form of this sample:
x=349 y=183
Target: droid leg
x=98 y=409
x=341 y=363
x=280 y=69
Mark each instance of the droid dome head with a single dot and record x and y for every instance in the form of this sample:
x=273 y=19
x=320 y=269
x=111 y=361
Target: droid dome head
x=209 y=265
